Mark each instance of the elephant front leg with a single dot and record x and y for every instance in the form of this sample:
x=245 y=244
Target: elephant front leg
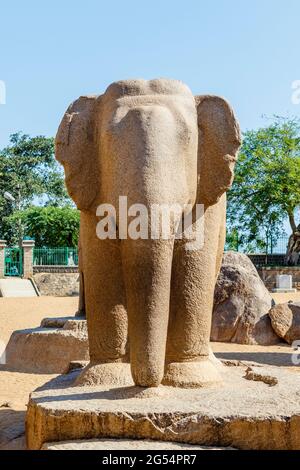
x=188 y=358
x=105 y=309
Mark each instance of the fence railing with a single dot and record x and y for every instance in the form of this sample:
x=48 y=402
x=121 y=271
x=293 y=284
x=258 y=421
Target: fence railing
x=270 y=246
x=63 y=256
x=66 y=256
x=269 y=252
x=279 y=246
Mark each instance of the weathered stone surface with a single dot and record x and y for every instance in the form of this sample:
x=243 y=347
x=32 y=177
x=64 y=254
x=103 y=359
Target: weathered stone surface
x=241 y=304
x=153 y=141
x=125 y=444
x=242 y=413
x=55 y=322
x=57 y=284
x=285 y=319
x=50 y=349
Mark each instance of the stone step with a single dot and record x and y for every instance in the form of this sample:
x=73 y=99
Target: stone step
x=17 y=287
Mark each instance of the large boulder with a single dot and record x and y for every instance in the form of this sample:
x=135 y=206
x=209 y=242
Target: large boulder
x=285 y=319
x=241 y=304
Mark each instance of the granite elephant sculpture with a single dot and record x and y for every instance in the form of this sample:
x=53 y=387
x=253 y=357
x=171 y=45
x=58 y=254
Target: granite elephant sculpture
x=155 y=143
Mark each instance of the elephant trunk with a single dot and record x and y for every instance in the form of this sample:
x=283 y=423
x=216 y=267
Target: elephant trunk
x=147 y=264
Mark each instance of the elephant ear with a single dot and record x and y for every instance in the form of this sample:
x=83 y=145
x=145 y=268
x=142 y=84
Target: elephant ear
x=77 y=150
x=219 y=142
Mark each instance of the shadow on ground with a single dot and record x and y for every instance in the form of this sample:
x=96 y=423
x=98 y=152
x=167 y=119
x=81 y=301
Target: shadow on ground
x=12 y=429
x=273 y=359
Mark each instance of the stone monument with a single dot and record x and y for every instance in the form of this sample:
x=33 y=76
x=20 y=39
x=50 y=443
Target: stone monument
x=154 y=143
x=148 y=298
x=284 y=283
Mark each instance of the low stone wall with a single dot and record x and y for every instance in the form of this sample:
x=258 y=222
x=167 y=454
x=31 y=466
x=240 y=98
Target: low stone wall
x=54 y=269
x=58 y=284
x=268 y=275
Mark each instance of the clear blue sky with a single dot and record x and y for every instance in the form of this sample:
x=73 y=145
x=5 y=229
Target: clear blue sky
x=54 y=51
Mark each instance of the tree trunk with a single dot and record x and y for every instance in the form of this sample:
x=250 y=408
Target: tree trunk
x=293 y=249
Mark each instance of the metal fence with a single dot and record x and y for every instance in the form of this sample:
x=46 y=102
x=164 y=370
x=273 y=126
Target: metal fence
x=279 y=246
x=13 y=261
x=270 y=246
x=64 y=256
x=269 y=252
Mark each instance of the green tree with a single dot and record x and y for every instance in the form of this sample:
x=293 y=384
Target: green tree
x=50 y=226
x=266 y=188
x=29 y=171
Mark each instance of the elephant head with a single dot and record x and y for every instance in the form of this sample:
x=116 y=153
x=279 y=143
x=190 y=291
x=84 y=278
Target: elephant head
x=155 y=143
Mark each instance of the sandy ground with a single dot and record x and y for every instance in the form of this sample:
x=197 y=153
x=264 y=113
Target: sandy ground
x=19 y=313
x=281 y=298
x=16 y=314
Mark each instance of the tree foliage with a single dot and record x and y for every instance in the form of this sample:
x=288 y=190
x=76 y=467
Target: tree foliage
x=266 y=188
x=50 y=226
x=28 y=169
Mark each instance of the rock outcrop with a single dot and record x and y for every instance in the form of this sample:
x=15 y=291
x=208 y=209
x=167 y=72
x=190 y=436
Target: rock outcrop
x=241 y=304
x=285 y=320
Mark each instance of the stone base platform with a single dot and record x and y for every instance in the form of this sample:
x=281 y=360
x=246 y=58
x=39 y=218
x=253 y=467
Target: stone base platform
x=283 y=291
x=257 y=407
x=50 y=348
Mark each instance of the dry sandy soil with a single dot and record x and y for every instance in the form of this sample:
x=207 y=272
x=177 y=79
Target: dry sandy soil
x=19 y=313
x=16 y=314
